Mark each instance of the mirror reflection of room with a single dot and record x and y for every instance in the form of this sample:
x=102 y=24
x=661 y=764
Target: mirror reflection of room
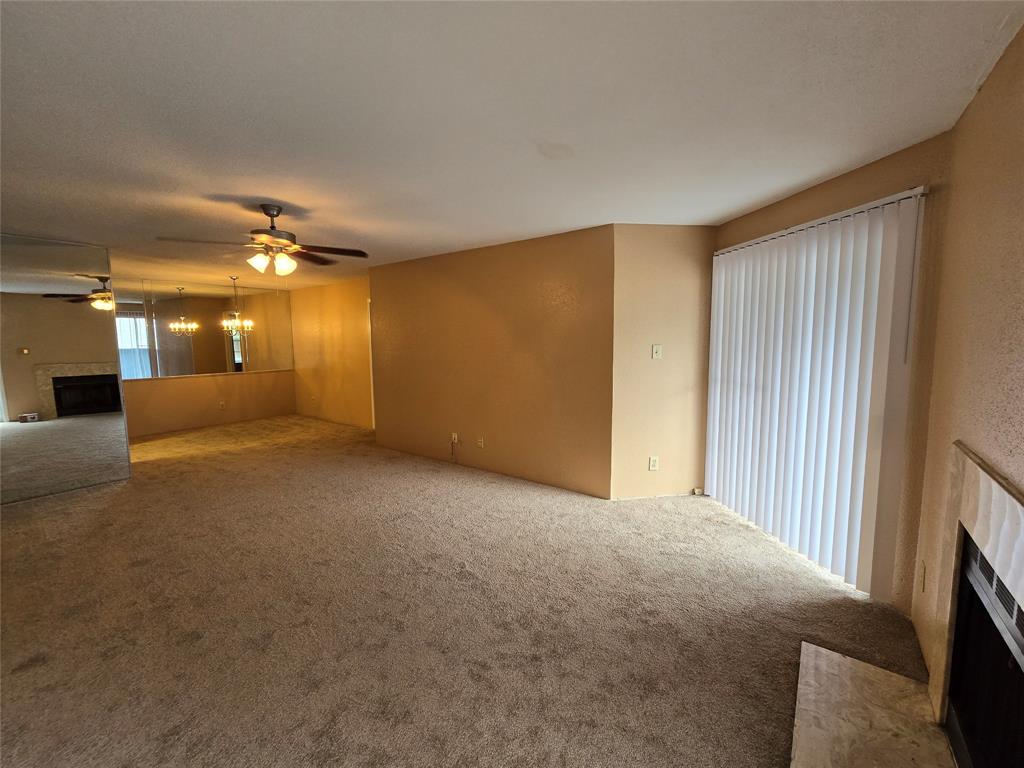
x=62 y=425
x=182 y=329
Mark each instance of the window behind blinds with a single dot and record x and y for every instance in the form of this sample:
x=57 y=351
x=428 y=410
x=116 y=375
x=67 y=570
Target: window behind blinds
x=807 y=374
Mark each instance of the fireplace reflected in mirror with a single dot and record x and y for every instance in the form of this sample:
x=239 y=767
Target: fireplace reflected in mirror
x=61 y=421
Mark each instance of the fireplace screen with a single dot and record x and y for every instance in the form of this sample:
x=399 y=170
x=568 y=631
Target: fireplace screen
x=75 y=395
x=986 y=693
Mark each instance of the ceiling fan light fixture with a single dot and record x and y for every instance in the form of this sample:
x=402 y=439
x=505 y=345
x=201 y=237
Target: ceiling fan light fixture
x=270 y=242
x=259 y=262
x=104 y=305
x=274 y=237
x=284 y=264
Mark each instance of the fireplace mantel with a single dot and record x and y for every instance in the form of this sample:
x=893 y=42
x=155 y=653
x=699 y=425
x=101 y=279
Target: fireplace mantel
x=992 y=511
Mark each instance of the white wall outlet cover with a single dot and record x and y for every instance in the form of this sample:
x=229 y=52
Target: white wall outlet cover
x=656 y=351
x=479 y=442
x=455 y=437
x=652 y=463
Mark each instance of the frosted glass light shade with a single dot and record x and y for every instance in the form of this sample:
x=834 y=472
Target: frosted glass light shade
x=259 y=262
x=284 y=264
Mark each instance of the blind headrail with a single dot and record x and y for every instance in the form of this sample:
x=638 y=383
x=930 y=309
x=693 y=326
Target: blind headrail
x=921 y=191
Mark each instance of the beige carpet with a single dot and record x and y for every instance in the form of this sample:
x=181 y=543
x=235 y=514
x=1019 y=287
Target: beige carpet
x=60 y=454
x=285 y=593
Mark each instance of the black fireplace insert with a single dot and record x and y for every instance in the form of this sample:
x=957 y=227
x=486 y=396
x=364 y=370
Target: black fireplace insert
x=986 y=691
x=86 y=394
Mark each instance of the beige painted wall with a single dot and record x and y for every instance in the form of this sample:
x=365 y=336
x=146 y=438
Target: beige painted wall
x=269 y=346
x=153 y=406
x=662 y=296
x=331 y=333
x=925 y=163
x=978 y=379
x=54 y=332
x=510 y=343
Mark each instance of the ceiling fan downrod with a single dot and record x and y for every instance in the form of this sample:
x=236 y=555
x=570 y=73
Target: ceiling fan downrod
x=271 y=211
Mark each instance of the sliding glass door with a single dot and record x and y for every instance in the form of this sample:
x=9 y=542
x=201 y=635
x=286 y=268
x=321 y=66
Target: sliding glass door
x=808 y=377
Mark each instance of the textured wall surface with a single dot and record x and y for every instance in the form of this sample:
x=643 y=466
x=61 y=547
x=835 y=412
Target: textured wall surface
x=511 y=344
x=662 y=296
x=978 y=379
x=154 y=406
x=331 y=329
x=269 y=347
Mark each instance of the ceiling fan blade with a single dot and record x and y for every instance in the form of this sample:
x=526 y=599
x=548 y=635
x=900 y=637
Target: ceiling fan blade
x=81 y=300
x=313 y=258
x=63 y=295
x=334 y=251
x=199 y=242
x=100 y=278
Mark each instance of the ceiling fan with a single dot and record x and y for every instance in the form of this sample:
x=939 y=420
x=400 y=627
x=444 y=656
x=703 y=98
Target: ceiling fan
x=100 y=298
x=279 y=246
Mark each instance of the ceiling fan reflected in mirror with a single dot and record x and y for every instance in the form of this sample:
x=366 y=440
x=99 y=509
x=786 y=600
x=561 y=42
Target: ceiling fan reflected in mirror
x=280 y=247
x=100 y=298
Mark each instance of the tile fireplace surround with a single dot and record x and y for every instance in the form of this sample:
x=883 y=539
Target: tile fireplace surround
x=991 y=510
x=45 y=373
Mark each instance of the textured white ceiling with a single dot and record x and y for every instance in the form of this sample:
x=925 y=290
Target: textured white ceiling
x=412 y=129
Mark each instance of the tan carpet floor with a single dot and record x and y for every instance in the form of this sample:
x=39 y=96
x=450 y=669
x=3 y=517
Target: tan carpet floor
x=285 y=593
x=57 y=455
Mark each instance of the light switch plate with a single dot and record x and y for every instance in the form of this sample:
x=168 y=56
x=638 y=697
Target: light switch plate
x=656 y=351
x=652 y=463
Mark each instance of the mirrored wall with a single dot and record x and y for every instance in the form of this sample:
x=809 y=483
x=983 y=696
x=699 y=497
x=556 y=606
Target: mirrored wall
x=187 y=329
x=61 y=420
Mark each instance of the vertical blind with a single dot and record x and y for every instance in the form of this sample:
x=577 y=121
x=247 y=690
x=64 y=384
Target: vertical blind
x=802 y=329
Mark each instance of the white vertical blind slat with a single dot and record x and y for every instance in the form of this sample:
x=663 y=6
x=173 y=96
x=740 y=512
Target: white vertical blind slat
x=752 y=485
x=770 y=456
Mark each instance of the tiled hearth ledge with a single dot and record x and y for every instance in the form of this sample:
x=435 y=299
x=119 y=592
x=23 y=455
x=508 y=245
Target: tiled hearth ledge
x=44 y=373
x=850 y=714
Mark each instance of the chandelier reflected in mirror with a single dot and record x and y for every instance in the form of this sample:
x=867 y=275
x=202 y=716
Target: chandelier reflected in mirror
x=183 y=326
x=234 y=324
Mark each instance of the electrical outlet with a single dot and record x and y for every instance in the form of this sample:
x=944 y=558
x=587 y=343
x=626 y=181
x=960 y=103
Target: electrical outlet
x=221 y=405
x=652 y=463
x=455 y=438
x=479 y=442
x=656 y=351
x=698 y=491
